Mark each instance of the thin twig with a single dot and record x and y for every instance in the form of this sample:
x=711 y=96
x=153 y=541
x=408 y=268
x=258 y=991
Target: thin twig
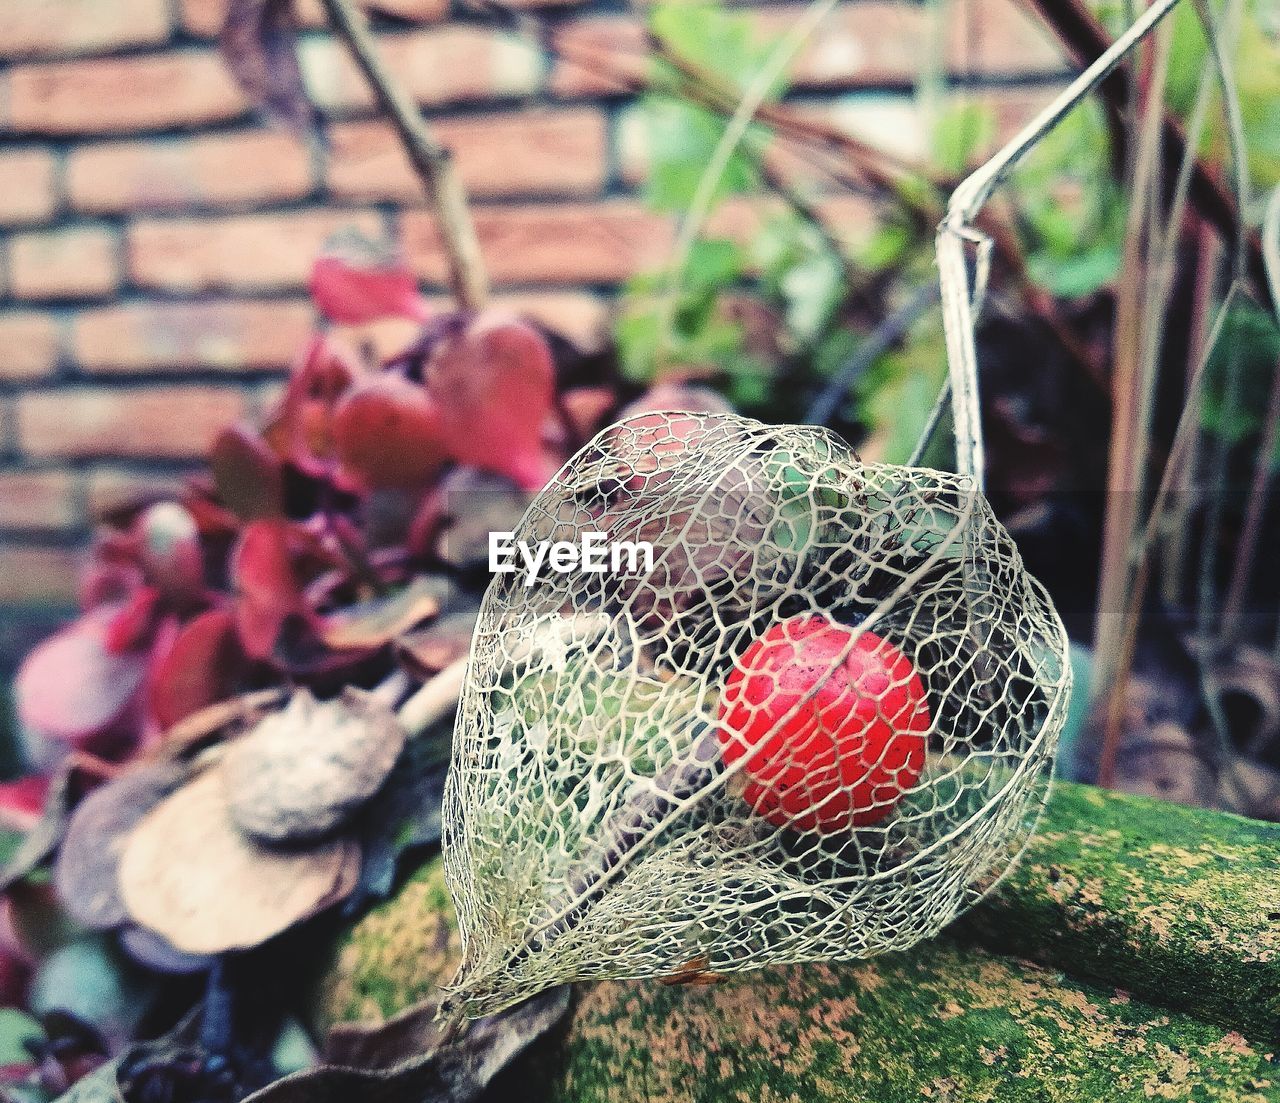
x=757 y=91
x=436 y=700
x=1136 y=342
x=431 y=160
x=960 y=304
x=887 y=334
x=1086 y=38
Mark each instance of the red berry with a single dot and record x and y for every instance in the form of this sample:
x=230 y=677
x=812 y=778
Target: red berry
x=844 y=757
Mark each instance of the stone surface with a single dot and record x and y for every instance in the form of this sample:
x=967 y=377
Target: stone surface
x=1178 y=905
x=1115 y=893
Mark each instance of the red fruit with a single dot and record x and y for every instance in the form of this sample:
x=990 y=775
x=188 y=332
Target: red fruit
x=830 y=743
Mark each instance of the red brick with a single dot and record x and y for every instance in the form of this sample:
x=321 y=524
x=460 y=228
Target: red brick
x=522 y=153
x=112 y=488
x=38 y=574
x=166 y=422
x=867 y=43
x=29 y=344
x=871 y=42
x=205 y=17
x=29 y=28
x=28 y=185
x=246 y=251
x=38 y=500
x=76 y=262
x=605 y=45
x=121 y=95
x=441 y=65
x=229 y=335
x=242 y=168
x=568 y=243
x=996 y=37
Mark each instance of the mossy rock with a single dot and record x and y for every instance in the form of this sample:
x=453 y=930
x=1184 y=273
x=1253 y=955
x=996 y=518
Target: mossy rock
x=1178 y=905
x=942 y=1022
x=1157 y=925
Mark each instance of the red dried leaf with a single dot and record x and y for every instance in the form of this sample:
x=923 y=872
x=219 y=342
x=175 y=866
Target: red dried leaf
x=357 y=280
x=258 y=46
x=372 y=623
x=22 y=802
x=106 y=583
x=388 y=432
x=132 y=627
x=494 y=382
x=300 y=429
x=201 y=668
x=73 y=687
x=266 y=587
x=247 y=473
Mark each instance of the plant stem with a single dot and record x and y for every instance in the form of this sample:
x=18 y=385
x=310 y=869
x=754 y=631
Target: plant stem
x=431 y=160
x=1086 y=38
x=437 y=699
x=887 y=334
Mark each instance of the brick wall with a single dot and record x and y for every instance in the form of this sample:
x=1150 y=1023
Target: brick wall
x=155 y=239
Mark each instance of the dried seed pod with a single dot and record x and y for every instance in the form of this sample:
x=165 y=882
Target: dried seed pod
x=301 y=772
x=818 y=728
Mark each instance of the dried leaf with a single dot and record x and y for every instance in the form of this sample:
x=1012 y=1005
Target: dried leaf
x=429 y=650
x=406 y=1060
x=388 y=433
x=258 y=46
x=472 y=504
x=247 y=474
x=405 y=817
x=154 y=952
x=85 y=874
x=303 y=771
x=494 y=383
x=209 y=723
x=376 y=622
x=192 y=876
x=100 y=1086
x=43 y=839
x=357 y=280
x=73 y=688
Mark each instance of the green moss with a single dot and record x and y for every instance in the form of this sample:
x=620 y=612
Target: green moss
x=395 y=957
x=941 y=1022
x=1177 y=905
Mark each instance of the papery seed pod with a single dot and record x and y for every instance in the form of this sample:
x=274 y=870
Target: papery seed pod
x=820 y=727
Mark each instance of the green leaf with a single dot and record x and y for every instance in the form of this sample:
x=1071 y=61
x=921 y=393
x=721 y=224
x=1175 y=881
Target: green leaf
x=682 y=138
x=703 y=32
x=1249 y=346
x=16 y=1029
x=961 y=134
